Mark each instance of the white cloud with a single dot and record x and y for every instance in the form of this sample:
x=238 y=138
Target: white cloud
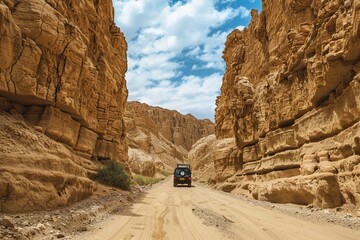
x=134 y=15
x=213 y=51
x=158 y=34
x=194 y=95
x=240 y=27
x=194 y=52
x=244 y=12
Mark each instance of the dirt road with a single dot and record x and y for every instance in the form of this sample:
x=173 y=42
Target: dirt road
x=202 y=213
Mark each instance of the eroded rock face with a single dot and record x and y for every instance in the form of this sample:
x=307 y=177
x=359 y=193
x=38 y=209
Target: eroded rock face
x=159 y=138
x=182 y=130
x=62 y=68
x=37 y=172
x=295 y=119
x=201 y=157
x=66 y=62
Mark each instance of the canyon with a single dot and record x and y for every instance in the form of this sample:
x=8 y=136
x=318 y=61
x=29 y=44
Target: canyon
x=63 y=100
x=159 y=138
x=284 y=132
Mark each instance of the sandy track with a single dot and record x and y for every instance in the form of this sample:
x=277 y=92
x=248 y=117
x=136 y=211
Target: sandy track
x=201 y=213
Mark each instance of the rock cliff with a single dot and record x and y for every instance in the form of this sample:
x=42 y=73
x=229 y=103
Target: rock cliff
x=62 y=69
x=159 y=138
x=200 y=158
x=287 y=119
x=181 y=130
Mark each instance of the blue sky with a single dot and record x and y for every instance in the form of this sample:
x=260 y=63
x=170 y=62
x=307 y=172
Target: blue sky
x=175 y=49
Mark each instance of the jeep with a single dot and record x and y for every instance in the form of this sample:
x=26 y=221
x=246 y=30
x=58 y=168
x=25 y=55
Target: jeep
x=182 y=175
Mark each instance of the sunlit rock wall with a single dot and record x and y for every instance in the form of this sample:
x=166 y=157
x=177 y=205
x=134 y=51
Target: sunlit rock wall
x=287 y=119
x=62 y=67
x=160 y=138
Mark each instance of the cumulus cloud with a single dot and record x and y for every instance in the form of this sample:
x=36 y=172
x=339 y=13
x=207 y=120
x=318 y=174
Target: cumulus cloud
x=164 y=38
x=240 y=27
x=193 y=94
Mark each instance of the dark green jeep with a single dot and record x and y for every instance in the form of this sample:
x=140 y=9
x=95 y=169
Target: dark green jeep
x=182 y=175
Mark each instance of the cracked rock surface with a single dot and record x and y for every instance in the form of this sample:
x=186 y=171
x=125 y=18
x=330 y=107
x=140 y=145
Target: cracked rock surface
x=62 y=74
x=288 y=117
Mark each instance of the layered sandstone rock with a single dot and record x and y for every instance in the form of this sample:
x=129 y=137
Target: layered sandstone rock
x=66 y=61
x=37 y=172
x=62 y=67
x=295 y=119
x=182 y=130
x=159 y=138
x=200 y=158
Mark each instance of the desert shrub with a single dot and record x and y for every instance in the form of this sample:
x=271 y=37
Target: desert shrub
x=114 y=175
x=211 y=181
x=142 y=180
x=165 y=173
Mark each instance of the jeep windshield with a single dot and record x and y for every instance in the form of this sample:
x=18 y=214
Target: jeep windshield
x=179 y=170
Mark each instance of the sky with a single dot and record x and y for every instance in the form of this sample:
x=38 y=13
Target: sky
x=175 y=50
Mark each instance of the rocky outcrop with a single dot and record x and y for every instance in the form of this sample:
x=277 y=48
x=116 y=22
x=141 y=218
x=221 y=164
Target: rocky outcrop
x=292 y=124
x=62 y=67
x=36 y=172
x=181 y=130
x=159 y=138
x=200 y=158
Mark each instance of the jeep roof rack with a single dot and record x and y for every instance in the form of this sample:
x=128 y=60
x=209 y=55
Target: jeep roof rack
x=183 y=165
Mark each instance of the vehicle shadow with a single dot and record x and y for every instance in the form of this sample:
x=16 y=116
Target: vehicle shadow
x=184 y=186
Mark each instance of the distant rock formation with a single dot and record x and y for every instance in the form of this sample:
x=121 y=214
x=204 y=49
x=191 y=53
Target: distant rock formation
x=287 y=119
x=159 y=138
x=182 y=130
x=62 y=67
